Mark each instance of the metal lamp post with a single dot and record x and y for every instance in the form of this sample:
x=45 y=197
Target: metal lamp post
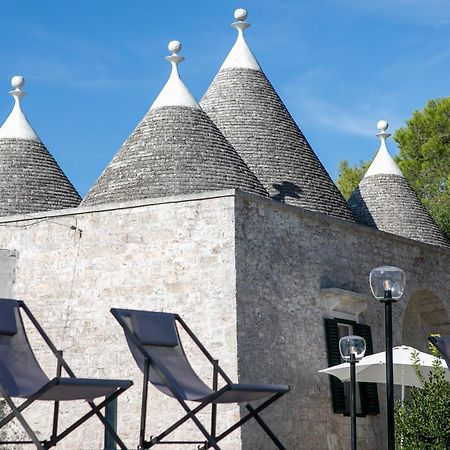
x=352 y=349
x=387 y=284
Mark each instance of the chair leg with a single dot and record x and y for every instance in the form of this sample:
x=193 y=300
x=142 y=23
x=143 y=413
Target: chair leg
x=211 y=442
x=249 y=416
x=95 y=410
x=23 y=422
x=158 y=439
x=144 y=404
x=266 y=428
x=190 y=414
x=11 y=415
x=102 y=418
x=214 y=405
x=56 y=405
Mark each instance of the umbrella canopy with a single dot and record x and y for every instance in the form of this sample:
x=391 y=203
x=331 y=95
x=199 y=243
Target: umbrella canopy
x=372 y=368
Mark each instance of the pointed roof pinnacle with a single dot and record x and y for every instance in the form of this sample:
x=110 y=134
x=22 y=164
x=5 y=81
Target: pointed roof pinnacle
x=240 y=55
x=16 y=126
x=383 y=164
x=175 y=92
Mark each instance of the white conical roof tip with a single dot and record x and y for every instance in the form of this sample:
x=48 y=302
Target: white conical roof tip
x=16 y=126
x=240 y=56
x=175 y=92
x=383 y=163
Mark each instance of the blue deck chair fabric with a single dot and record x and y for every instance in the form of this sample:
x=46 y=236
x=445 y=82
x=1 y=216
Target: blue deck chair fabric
x=155 y=344
x=21 y=376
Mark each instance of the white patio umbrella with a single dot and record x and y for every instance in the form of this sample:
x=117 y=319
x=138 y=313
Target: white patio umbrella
x=372 y=368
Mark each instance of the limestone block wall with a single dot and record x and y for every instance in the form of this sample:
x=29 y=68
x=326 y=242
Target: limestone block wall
x=248 y=276
x=285 y=257
x=72 y=266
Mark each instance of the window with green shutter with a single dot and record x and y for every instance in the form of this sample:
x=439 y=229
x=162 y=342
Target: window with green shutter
x=368 y=392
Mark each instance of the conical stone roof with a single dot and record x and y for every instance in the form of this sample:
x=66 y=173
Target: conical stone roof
x=251 y=115
x=30 y=178
x=385 y=200
x=175 y=149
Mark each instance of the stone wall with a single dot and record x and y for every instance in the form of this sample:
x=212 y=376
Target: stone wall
x=285 y=259
x=248 y=274
x=74 y=265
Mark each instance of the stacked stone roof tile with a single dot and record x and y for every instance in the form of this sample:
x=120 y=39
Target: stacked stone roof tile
x=30 y=178
x=174 y=150
x=385 y=200
x=242 y=136
x=388 y=202
x=251 y=115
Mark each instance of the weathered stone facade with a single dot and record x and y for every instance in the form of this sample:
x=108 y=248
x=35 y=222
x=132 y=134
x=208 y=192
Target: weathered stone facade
x=252 y=278
x=287 y=261
x=74 y=265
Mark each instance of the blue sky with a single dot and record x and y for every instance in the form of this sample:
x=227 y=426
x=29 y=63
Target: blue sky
x=93 y=68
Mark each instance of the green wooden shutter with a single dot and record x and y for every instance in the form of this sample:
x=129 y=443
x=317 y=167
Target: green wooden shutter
x=334 y=357
x=369 y=391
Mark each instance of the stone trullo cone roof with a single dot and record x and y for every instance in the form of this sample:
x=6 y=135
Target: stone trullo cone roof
x=385 y=200
x=251 y=115
x=175 y=149
x=30 y=178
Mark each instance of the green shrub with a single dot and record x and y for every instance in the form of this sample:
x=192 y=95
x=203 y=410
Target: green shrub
x=423 y=421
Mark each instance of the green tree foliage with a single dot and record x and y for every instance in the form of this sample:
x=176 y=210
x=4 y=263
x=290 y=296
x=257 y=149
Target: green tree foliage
x=424 y=158
x=423 y=422
x=350 y=176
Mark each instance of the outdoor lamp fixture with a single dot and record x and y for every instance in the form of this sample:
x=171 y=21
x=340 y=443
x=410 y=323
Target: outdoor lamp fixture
x=387 y=284
x=352 y=349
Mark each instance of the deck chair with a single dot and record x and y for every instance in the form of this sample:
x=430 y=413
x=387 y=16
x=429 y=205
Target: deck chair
x=156 y=347
x=442 y=343
x=21 y=376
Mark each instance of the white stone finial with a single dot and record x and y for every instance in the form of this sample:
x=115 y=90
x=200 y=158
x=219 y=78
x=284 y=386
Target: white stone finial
x=383 y=163
x=17 y=82
x=382 y=125
x=16 y=126
x=240 y=14
x=175 y=92
x=240 y=55
x=174 y=47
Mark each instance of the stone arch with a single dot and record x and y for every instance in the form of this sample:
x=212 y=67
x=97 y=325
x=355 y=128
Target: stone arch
x=424 y=314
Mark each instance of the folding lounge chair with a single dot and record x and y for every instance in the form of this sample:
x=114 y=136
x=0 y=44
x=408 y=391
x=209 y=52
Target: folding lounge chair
x=155 y=344
x=442 y=343
x=21 y=376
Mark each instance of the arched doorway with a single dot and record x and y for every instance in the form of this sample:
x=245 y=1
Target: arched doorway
x=425 y=314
